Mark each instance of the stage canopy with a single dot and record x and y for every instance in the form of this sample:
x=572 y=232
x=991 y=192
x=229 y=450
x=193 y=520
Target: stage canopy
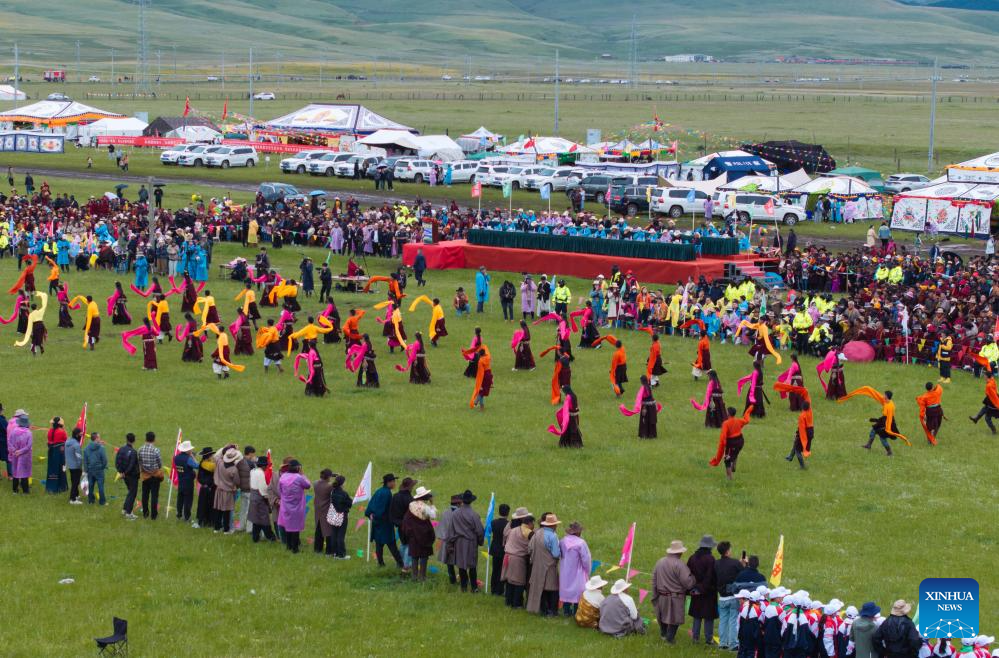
x=55 y=113
x=128 y=126
x=348 y=119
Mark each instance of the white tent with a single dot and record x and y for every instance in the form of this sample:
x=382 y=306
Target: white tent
x=836 y=185
x=353 y=119
x=127 y=127
x=438 y=147
x=8 y=93
x=706 y=186
x=478 y=140
x=949 y=207
x=391 y=139
x=54 y=113
x=784 y=183
x=195 y=134
x=545 y=146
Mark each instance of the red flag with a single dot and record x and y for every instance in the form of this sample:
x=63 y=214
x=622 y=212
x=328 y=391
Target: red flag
x=572 y=149
x=81 y=424
x=629 y=545
x=673 y=146
x=657 y=125
x=476 y=190
x=225 y=109
x=187 y=106
x=269 y=470
x=173 y=469
x=769 y=207
x=529 y=144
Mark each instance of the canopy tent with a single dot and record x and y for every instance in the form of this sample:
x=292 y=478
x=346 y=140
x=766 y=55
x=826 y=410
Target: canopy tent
x=791 y=155
x=195 y=134
x=956 y=208
x=733 y=164
x=54 y=113
x=8 y=93
x=869 y=176
x=860 y=200
x=706 y=186
x=161 y=126
x=320 y=117
x=127 y=127
x=438 y=147
x=433 y=147
x=479 y=140
x=768 y=183
x=835 y=185
x=980 y=170
x=545 y=146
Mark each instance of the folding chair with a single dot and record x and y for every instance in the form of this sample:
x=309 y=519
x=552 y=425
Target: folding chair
x=115 y=644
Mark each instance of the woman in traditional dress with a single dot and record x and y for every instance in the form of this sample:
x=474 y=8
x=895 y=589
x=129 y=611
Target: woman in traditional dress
x=523 y=356
x=194 y=350
x=589 y=335
x=190 y=297
x=244 y=339
x=647 y=409
x=55 y=481
x=65 y=319
x=793 y=377
x=703 y=361
x=654 y=364
x=419 y=373
x=754 y=390
x=249 y=298
x=567 y=421
x=149 y=346
x=333 y=316
x=291 y=512
x=22 y=312
x=472 y=353
x=119 y=307
x=837 y=381
x=713 y=406
x=483 y=378
x=315 y=381
x=39 y=334
x=368 y=372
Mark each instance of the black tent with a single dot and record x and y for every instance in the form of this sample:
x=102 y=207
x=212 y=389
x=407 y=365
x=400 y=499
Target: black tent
x=792 y=155
x=162 y=125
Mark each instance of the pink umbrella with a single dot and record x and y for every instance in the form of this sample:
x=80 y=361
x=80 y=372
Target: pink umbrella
x=858 y=351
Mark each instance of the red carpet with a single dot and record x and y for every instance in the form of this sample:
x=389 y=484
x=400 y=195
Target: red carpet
x=458 y=254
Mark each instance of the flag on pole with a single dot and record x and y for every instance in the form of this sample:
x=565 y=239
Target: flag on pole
x=546 y=192
x=778 y=570
x=530 y=143
x=691 y=196
x=648 y=194
x=573 y=148
x=81 y=424
x=225 y=109
x=269 y=469
x=674 y=146
x=187 y=106
x=768 y=207
x=176 y=451
x=490 y=512
x=364 y=487
x=507 y=189
x=476 y=190
x=607 y=194
x=629 y=543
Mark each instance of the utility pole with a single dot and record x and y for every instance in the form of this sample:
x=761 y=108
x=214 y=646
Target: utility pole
x=142 y=54
x=468 y=69
x=78 y=78
x=322 y=62
x=633 y=59
x=251 y=82
x=17 y=73
x=279 y=65
x=933 y=118
x=556 y=92
x=175 y=62
x=223 y=73
x=113 y=82
x=159 y=67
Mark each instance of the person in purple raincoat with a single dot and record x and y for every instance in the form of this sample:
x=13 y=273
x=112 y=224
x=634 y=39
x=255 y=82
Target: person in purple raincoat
x=19 y=449
x=291 y=515
x=575 y=568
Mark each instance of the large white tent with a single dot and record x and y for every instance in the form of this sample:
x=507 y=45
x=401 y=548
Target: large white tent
x=320 y=117
x=478 y=140
x=545 y=146
x=126 y=127
x=436 y=147
x=54 y=114
x=8 y=93
x=960 y=203
x=835 y=185
x=783 y=183
x=195 y=134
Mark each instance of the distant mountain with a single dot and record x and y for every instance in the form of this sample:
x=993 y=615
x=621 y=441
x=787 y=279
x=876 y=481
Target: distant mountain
x=495 y=34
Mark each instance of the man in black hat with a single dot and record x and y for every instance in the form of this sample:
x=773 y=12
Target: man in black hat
x=397 y=511
x=382 y=530
x=466 y=534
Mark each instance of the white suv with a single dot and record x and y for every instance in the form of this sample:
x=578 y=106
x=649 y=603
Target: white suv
x=299 y=163
x=172 y=154
x=462 y=171
x=554 y=179
x=517 y=175
x=417 y=171
x=905 y=182
x=491 y=174
x=324 y=165
x=673 y=201
x=345 y=168
x=753 y=207
x=197 y=156
x=232 y=156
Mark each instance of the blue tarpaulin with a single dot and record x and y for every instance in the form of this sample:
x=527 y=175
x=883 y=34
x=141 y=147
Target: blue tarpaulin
x=734 y=167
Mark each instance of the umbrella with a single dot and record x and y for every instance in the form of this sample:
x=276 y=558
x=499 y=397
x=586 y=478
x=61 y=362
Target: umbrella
x=120 y=186
x=317 y=193
x=159 y=184
x=858 y=351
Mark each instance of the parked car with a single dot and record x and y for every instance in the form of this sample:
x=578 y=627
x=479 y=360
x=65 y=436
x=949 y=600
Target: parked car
x=631 y=200
x=484 y=171
x=594 y=185
x=324 y=166
x=58 y=96
x=905 y=182
x=517 y=175
x=673 y=201
x=554 y=179
x=299 y=163
x=345 y=168
x=171 y=155
x=197 y=156
x=462 y=171
x=753 y=207
x=93 y=78
x=492 y=175
x=417 y=171
x=265 y=96
x=232 y=156
x=280 y=192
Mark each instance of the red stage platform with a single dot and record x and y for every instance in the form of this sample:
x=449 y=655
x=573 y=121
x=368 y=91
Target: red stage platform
x=458 y=254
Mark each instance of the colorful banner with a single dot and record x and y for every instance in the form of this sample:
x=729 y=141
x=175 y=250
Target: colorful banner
x=262 y=147
x=32 y=143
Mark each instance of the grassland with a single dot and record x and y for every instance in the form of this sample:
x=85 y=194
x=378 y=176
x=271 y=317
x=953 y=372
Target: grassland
x=857 y=525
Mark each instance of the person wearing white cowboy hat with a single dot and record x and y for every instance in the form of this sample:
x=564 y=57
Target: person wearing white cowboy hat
x=588 y=613
x=897 y=636
x=618 y=612
x=186 y=469
x=417 y=527
x=543 y=548
x=671 y=580
x=516 y=548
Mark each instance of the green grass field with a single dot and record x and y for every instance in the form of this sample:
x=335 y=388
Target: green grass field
x=857 y=525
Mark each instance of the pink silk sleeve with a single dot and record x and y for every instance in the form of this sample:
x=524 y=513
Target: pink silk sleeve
x=707 y=397
x=561 y=419
x=411 y=351
x=517 y=337
x=128 y=335
x=17 y=309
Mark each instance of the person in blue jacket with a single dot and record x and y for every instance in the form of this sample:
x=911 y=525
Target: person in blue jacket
x=186 y=468
x=200 y=264
x=482 y=279
x=382 y=530
x=141 y=272
x=62 y=257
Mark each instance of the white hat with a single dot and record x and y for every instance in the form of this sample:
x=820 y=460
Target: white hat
x=743 y=594
x=852 y=612
x=984 y=639
x=595 y=583
x=815 y=605
x=185 y=446
x=755 y=596
x=620 y=586
x=833 y=607
x=968 y=641
x=421 y=492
